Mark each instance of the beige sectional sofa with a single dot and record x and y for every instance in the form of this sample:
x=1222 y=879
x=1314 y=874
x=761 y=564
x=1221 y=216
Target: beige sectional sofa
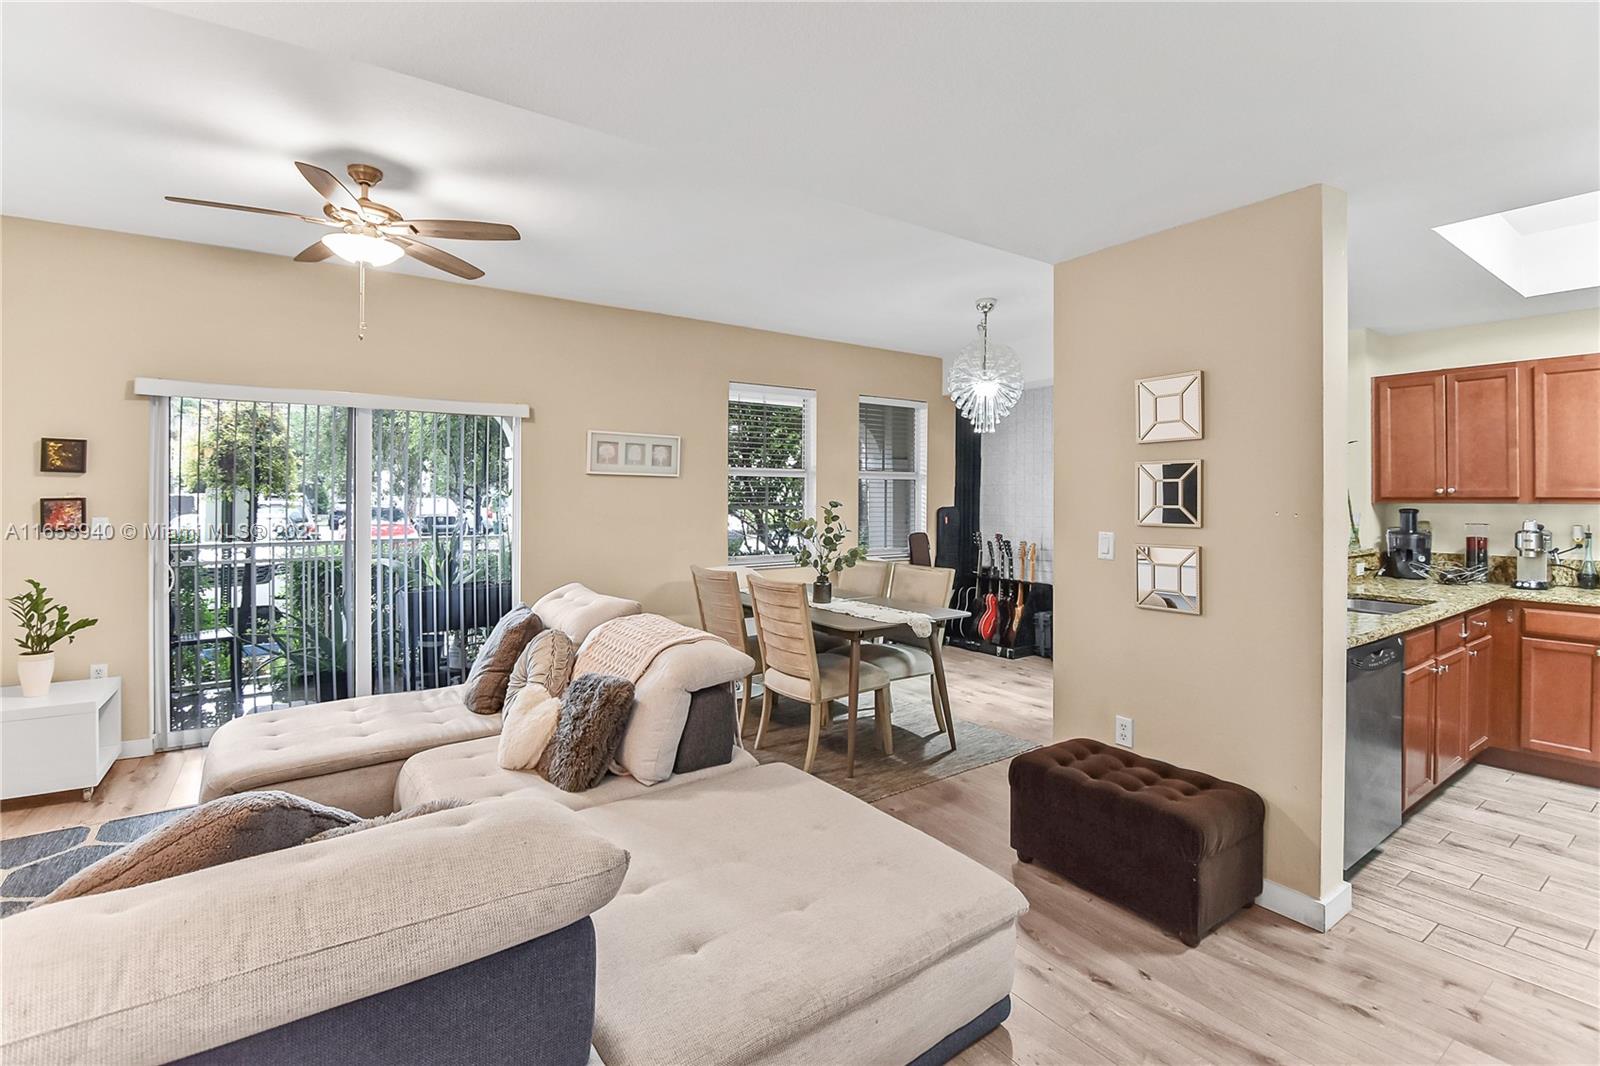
x=764 y=916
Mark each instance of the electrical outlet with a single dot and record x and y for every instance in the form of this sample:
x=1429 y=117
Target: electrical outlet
x=1107 y=545
x=1124 y=731
x=99 y=671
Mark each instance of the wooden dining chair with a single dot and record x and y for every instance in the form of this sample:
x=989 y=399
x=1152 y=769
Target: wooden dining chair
x=794 y=669
x=722 y=614
x=869 y=577
x=902 y=654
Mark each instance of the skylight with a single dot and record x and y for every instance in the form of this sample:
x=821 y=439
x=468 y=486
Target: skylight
x=1549 y=247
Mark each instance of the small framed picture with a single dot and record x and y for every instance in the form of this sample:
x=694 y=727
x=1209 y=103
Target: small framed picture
x=63 y=514
x=634 y=454
x=63 y=455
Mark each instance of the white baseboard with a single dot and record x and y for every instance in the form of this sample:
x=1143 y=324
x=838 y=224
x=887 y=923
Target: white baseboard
x=137 y=749
x=1319 y=914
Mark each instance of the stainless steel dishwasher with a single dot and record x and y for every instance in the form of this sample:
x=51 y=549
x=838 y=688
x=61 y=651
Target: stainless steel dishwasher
x=1373 y=735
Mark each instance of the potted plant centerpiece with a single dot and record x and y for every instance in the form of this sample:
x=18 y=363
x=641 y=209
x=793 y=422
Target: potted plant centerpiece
x=44 y=623
x=820 y=547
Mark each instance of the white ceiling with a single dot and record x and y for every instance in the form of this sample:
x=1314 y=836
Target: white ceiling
x=859 y=172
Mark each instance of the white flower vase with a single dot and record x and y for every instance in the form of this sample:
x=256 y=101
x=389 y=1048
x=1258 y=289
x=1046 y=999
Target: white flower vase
x=34 y=673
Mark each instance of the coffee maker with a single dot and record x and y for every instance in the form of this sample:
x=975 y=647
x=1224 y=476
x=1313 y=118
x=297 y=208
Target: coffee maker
x=1408 y=551
x=1533 y=543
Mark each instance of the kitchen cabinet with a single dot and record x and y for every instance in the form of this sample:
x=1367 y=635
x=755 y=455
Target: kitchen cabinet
x=1408 y=433
x=1441 y=730
x=1508 y=431
x=1566 y=420
x=1560 y=705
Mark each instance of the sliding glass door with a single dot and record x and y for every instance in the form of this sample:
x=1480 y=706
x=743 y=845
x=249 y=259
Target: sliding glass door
x=315 y=552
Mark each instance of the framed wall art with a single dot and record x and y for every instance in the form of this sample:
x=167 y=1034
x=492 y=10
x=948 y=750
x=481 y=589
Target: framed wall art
x=634 y=454
x=63 y=455
x=1168 y=578
x=63 y=514
x=1169 y=493
x=1170 y=407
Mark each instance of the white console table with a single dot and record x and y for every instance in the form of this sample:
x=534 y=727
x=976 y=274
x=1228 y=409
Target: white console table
x=63 y=740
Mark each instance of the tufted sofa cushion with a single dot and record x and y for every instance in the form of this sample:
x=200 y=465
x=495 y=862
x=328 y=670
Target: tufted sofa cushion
x=804 y=913
x=471 y=771
x=346 y=753
x=576 y=610
x=1142 y=799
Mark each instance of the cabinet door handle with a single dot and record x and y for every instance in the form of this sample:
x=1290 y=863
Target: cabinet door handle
x=1451 y=490
x=1438 y=492
x=1439 y=669
x=1480 y=622
x=1471 y=654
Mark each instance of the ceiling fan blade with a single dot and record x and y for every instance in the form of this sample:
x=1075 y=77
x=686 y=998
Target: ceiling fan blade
x=437 y=258
x=331 y=188
x=252 y=210
x=316 y=252
x=459 y=230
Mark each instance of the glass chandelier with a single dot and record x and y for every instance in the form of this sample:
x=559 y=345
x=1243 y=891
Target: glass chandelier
x=986 y=379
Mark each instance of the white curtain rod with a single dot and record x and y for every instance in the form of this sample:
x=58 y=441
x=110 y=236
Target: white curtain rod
x=372 y=401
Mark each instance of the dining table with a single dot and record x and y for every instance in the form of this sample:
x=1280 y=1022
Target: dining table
x=855 y=629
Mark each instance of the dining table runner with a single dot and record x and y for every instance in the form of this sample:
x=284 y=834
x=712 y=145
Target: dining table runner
x=920 y=623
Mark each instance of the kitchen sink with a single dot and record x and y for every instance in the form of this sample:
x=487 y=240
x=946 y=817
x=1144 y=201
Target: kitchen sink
x=1361 y=606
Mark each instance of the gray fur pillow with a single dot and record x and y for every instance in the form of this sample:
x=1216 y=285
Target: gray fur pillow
x=223 y=830
x=594 y=714
x=431 y=807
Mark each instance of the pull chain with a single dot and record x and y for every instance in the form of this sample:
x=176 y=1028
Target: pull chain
x=361 y=322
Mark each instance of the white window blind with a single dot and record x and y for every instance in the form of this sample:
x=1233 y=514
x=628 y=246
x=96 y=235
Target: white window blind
x=771 y=470
x=893 y=478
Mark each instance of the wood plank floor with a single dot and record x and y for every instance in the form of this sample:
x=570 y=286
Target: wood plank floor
x=1472 y=938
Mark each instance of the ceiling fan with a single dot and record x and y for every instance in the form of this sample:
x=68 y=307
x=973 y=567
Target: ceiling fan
x=372 y=234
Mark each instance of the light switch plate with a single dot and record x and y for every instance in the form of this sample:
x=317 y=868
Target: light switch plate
x=1124 y=731
x=1108 y=545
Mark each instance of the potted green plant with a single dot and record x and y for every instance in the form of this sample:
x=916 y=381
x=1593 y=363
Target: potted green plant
x=820 y=544
x=44 y=624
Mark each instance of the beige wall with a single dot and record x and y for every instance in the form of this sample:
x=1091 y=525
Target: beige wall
x=1375 y=354
x=86 y=311
x=1252 y=690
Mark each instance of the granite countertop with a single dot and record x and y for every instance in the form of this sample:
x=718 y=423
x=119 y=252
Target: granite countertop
x=1442 y=601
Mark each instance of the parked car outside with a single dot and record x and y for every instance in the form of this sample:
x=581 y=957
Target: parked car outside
x=437 y=516
x=388 y=522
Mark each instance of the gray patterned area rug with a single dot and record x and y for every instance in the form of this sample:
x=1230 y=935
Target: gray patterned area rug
x=921 y=753
x=32 y=866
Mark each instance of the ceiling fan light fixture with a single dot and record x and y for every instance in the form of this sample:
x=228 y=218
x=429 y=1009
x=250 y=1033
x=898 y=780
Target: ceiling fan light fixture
x=363 y=248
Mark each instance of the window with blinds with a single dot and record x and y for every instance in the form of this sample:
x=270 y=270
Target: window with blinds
x=893 y=478
x=771 y=470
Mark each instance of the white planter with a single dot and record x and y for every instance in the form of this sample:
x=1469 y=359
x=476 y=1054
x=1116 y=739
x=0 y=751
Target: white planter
x=34 y=673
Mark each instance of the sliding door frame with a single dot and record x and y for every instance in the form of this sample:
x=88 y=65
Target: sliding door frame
x=361 y=406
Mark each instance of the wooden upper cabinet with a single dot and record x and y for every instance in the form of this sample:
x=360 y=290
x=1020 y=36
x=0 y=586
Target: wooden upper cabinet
x=1483 y=433
x=1566 y=421
x=1408 y=437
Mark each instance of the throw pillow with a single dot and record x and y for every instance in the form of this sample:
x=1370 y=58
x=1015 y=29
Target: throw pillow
x=531 y=721
x=594 y=713
x=225 y=829
x=546 y=661
x=485 y=690
x=431 y=807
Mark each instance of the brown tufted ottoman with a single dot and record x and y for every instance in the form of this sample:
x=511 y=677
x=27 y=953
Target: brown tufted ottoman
x=1181 y=848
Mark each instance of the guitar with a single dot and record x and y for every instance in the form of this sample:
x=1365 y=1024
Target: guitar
x=1006 y=589
x=989 y=621
x=1022 y=597
x=967 y=597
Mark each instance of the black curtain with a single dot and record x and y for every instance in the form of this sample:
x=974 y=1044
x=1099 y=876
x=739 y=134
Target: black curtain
x=969 y=480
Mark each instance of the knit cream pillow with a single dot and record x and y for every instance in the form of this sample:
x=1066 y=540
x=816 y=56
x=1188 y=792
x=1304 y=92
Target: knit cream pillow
x=529 y=724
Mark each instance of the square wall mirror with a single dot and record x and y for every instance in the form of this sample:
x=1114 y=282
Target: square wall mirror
x=1170 y=408
x=1169 y=493
x=1168 y=578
